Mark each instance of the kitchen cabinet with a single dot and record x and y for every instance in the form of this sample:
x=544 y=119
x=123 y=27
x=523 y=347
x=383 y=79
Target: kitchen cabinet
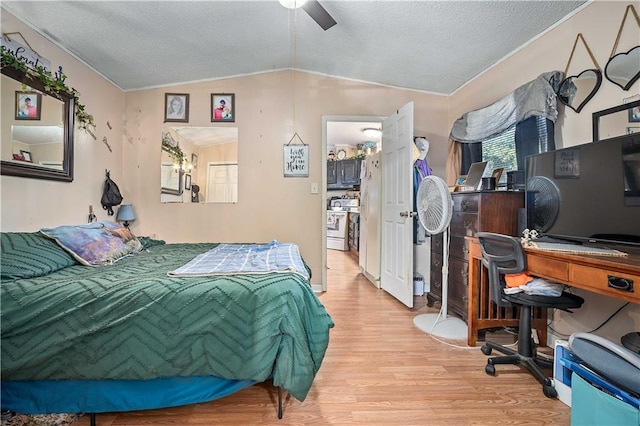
x=343 y=174
x=478 y=211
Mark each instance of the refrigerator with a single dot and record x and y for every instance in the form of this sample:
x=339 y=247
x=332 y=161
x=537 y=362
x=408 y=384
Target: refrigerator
x=370 y=223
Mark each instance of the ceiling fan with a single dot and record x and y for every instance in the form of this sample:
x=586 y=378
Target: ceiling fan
x=314 y=9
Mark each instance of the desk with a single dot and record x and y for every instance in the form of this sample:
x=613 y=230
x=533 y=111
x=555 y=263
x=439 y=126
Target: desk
x=587 y=272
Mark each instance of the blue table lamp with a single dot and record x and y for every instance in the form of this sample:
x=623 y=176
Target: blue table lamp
x=126 y=215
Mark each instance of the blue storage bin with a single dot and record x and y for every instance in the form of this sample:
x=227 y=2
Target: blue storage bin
x=591 y=406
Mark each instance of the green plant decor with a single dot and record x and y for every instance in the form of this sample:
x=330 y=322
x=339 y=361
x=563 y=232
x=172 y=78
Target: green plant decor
x=54 y=85
x=173 y=150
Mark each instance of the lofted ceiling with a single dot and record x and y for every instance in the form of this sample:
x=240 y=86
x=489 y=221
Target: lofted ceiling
x=432 y=46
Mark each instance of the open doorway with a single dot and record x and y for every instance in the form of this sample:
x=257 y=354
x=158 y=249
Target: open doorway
x=345 y=145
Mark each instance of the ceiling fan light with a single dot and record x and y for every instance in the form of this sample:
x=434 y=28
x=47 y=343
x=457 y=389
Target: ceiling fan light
x=370 y=132
x=292 y=4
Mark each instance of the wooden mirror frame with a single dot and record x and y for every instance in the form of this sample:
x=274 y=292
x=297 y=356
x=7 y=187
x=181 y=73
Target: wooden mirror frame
x=33 y=171
x=616 y=109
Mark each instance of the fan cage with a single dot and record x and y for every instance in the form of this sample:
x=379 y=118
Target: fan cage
x=434 y=204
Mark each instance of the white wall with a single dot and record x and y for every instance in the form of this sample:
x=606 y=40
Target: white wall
x=269 y=205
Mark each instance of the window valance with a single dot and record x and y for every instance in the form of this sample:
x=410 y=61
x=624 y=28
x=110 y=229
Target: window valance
x=536 y=98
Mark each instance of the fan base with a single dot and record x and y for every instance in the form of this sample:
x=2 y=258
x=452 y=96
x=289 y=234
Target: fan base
x=446 y=327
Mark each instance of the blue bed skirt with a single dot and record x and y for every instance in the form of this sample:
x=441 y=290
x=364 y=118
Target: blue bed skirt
x=105 y=396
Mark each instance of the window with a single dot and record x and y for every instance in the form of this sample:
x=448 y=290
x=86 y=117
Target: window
x=509 y=149
x=500 y=151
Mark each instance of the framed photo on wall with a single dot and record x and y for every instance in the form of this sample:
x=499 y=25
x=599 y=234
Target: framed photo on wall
x=634 y=114
x=28 y=105
x=187 y=181
x=176 y=107
x=26 y=155
x=223 y=107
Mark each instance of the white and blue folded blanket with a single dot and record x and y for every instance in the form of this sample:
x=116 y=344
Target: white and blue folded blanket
x=226 y=259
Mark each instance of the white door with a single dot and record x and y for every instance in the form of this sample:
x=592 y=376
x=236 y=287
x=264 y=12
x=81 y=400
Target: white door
x=396 y=274
x=222 y=183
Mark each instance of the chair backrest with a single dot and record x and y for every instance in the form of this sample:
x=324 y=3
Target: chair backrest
x=501 y=254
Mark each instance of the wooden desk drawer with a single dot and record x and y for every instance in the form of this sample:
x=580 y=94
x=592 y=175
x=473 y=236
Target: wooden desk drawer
x=459 y=247
x=549 y=268
x=464 y=224
x=596 y=279
x=465 y=202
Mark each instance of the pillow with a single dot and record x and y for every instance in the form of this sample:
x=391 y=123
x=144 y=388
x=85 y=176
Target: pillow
x=29 y=255
x=95 y=244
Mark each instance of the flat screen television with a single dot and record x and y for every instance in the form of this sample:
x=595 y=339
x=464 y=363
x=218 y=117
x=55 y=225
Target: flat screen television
x=586 y=193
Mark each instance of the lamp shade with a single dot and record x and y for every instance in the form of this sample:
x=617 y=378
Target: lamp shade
x=126 y=213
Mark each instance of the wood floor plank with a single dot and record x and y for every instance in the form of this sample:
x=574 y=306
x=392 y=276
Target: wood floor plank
x=379 y=369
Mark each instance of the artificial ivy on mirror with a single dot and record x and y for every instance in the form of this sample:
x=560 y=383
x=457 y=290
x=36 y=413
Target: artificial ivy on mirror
x=173 y=149
x=576 y=90
x=622 y=68
x=54 y=85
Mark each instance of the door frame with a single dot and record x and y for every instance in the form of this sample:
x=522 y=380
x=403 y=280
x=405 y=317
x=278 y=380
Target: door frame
x=323 y=192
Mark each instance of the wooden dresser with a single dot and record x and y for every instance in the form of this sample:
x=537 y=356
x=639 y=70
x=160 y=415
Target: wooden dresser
x=486 y=211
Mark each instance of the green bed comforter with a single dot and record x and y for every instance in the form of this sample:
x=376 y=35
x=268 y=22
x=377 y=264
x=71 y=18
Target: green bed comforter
x=131 y=321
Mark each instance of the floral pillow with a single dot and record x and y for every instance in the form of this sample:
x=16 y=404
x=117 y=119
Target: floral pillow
x=95 y=244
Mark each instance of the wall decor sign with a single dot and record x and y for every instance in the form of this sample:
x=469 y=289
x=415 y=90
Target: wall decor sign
x=567 y=163
x=176 y=107
x=223 y=107
x=31 y=58
x=28 y=105
x=296 y=160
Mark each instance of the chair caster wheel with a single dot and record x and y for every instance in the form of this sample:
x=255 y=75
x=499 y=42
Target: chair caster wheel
x=490 y=369
x=486 y=350
x=549 y=391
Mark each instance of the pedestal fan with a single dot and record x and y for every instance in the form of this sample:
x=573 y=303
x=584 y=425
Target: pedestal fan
x=435 y=208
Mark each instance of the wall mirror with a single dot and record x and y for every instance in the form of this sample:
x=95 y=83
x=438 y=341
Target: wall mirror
x=209 y=170
x=623 y=69
x=577 y=90
x=37 y=129
x=616 y=121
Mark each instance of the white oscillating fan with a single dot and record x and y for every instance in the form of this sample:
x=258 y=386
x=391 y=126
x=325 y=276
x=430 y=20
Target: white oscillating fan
x=435 y=207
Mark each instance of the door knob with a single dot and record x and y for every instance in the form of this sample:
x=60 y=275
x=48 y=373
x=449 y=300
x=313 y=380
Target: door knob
x=407 y=214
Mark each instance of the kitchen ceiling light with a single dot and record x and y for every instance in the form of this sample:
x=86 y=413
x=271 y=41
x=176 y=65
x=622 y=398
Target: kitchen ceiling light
x=292 y=4
x=370 y=132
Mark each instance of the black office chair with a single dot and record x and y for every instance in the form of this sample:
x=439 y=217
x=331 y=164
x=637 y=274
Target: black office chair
x=502 y=254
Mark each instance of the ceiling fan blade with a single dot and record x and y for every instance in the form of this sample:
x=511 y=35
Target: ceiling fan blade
x=319 y=14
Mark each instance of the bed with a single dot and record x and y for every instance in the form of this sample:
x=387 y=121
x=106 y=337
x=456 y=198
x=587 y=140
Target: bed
x=127 y=336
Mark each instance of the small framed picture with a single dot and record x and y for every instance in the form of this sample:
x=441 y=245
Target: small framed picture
x=194 y=161
x=187 y=181
x=497 y=173
x=26 y=155
x=28 y=105
x=223 y=107
x=634 y=114
x=176 y=107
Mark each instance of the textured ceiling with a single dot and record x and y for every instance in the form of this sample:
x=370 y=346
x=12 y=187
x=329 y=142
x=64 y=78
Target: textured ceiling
x=434 y=46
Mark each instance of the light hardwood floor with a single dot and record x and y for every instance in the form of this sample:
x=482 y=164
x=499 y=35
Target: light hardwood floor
x=379 y=370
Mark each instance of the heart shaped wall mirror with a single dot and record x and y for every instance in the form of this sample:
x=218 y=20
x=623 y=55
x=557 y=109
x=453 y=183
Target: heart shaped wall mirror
x=577 y=90
x=623 y=69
